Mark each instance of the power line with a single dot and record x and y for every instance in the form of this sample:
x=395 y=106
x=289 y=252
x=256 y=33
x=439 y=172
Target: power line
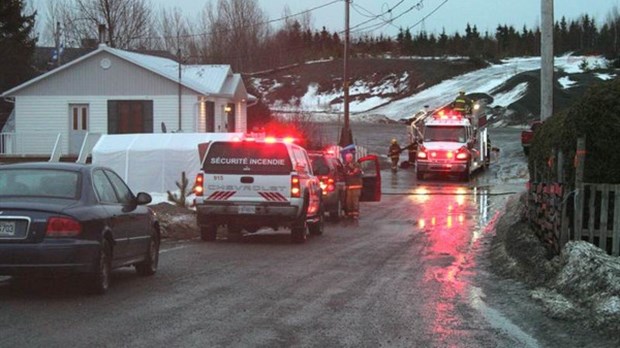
x=428 y=15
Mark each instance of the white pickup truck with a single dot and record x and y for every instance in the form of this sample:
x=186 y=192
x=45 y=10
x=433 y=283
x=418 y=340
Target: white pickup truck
x=247 y=184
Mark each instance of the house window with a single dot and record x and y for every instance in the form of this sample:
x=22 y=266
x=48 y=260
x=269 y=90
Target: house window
x=130 y=116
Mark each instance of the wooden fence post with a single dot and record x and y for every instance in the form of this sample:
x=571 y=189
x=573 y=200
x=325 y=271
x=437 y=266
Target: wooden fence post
x=580 y=156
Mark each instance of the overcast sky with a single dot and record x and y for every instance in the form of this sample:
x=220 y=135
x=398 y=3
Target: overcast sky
x=432 y=15
x=453 y=15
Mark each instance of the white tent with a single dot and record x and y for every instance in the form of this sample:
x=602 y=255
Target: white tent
x=153 y=162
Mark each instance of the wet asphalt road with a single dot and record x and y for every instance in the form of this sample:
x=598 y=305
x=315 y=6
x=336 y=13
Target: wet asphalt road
x=411 y=273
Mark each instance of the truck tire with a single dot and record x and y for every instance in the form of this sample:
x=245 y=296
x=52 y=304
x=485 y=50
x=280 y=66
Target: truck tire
x=316 y=228
x=208 y=233
x=466 y=175
x=299 y=229
x=234 y=232
x=334 y=215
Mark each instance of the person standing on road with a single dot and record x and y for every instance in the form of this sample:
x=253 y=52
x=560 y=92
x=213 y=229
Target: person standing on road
x=394 y=154
x=353 y=181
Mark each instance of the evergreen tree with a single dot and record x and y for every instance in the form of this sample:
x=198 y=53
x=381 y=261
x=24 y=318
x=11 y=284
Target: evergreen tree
x=16 y=43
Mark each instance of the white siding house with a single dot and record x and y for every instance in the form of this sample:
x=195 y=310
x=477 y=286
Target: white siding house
x=111 y=91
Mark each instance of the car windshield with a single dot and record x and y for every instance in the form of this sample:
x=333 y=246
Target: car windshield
x=39 y=183
x=247 y=157
x=445 y=133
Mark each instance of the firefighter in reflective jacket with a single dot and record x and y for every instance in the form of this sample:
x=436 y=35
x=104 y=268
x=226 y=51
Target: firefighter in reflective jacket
x=394 y=154
x=353 y=180
x=463 y=104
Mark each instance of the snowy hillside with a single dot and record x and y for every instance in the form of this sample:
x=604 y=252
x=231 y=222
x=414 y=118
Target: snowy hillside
x=384 y=99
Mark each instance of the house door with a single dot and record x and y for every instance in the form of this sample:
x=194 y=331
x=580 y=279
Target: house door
x=78 y=127
x=230 y=117
x=209 y=117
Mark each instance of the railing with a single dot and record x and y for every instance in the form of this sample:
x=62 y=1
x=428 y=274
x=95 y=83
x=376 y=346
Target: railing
x=7 y=143
x=28 y=143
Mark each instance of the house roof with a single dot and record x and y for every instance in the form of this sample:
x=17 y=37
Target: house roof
x=204 y=79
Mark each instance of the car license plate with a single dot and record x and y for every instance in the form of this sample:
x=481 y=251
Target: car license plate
x=7 y=228
x=247 y=209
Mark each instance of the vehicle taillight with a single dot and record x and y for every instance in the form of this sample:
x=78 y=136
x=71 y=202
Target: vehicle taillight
x=62 y=227
x=295 y=187
x=199 y=185
x=327 y=184
x=422 y=153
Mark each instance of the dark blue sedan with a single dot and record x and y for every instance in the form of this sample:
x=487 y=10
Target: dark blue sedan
x=67 y=218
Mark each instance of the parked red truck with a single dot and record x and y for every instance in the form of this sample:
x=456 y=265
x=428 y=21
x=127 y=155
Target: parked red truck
x=528 y=135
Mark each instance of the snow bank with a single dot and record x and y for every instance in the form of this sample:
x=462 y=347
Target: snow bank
x=583 y=283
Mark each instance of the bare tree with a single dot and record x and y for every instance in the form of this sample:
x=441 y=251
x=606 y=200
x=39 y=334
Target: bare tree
x=233 y=32
x=174 y=33
x=128 y=22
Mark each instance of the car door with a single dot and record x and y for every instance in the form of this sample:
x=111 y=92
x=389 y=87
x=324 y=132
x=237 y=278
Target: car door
x=135 y=218
x=108 y=198
x=371 y=180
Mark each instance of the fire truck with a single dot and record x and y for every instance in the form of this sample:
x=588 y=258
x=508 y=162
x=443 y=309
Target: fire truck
x=451 y=143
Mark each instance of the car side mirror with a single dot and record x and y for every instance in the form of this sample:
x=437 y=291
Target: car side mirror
x=143 y=198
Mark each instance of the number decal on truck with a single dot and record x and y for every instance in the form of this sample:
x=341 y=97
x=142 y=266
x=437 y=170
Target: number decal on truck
x=218 y=177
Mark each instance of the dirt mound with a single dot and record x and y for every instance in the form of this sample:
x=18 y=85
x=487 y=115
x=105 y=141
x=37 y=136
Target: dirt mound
x=176 y=222
x=527 y=108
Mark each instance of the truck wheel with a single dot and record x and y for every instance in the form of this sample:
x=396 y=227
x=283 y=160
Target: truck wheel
x=466 y=175
x=234 y=232
x=299 y=229
x=419 y=175
x=299 y=234
x=334 y=215
x=316 y=228
x=208 y=233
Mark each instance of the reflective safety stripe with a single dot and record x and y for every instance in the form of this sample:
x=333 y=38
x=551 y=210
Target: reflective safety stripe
x=353 y=187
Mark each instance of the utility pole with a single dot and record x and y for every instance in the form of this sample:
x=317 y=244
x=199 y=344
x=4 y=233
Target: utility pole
x=346 y=136
x=180 y=87
x=546 y=60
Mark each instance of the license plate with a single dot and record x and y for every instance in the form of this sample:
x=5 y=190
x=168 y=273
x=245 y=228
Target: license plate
x=247 y=209
x=7 y=228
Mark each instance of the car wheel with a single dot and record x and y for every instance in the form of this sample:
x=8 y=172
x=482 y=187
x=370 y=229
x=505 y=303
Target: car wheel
x=334 y=215
x=99 y=282
x=316 y=228
x=148 y=267
x=208 y=233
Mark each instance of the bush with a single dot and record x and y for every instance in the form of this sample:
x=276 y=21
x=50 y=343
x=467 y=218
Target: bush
x=597 y=117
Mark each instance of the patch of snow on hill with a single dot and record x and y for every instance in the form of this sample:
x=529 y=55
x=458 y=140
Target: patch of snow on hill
x=605 y=77
x=566 y=82
x=509 y=97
